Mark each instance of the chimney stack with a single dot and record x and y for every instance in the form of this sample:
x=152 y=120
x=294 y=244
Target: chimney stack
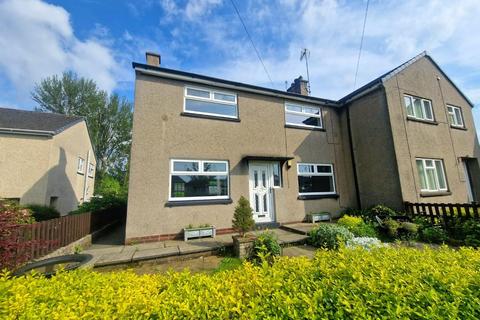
x=299 y=86
x=153 y=59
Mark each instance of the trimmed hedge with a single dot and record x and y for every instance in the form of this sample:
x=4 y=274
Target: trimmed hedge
x=384 y=283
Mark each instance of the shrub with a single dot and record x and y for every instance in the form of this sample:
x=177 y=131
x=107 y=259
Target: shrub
x=408 y=231
x=12 y=251
x=328 y=236
x=364 y=242
x=357 y=226
x=433 y=234
x=243 y=217
x=386 y=283
x=382 y=211
x=391 y=227
x=469 y=232
x=42 y=213
x=103 y=204
x=265 y=248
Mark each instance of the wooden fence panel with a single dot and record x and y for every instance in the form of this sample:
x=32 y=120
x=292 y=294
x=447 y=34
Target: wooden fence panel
x=41 y=238
x=443 y=212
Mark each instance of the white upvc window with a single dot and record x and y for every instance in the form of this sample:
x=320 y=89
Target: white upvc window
x=303 y=116
x=277 y=175
x=418 y=108
x=315 y=179
x=81 y=165
x=432 y=175
x=198 y=180
x=455 y=116
x=210 y=102
x=91 y=170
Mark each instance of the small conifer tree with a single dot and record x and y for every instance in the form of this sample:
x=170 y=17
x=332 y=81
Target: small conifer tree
x=243 y=217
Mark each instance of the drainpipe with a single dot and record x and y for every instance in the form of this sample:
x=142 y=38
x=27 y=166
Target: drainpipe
x=354 y=165
x=85 y=182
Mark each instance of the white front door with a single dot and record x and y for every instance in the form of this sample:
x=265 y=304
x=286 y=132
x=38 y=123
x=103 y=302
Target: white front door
x=261 y=191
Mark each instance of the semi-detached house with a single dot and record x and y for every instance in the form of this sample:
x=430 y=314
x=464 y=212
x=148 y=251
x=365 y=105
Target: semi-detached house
x=200 y=143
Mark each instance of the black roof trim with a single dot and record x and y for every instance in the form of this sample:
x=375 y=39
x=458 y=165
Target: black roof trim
x=136 y=65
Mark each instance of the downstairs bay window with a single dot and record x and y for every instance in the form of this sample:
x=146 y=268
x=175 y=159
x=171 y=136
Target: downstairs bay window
x=432 y=175
x=198 y=180
x=315 y=179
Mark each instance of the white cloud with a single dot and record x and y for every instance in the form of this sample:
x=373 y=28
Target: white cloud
x=197 y=8
x=37 y=41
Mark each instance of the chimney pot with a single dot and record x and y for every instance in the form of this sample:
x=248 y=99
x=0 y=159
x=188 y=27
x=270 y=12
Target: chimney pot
x=299 y=86
x=153 y=59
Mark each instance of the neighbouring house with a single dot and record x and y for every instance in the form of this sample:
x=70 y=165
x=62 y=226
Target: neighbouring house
x=199 y=143
x=46 y=159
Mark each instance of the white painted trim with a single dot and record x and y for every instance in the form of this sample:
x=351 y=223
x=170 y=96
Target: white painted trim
x=423 y=107
x=211 y=98
x=304 y=114
x=320 y=174
x=436 y=174
x=200 y=172
x=462 y=125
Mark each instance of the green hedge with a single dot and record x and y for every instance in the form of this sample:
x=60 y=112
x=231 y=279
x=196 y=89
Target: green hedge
x=385 y=283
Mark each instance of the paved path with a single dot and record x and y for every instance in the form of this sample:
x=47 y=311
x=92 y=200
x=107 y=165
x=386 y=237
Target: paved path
x=108 y=252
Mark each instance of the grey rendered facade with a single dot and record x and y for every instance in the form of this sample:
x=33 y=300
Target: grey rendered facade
x=288 y=153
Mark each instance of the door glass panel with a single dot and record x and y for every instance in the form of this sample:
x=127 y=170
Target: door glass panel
x=265 y=203
x=264 y=180
x=276 y=175
x=255 y=178
x=256 y=203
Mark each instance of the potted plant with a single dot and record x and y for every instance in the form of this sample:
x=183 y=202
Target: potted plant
x=204 y=230
x=243 y=222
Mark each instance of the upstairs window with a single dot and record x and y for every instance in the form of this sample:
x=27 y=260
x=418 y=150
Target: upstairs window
x=198 y=180
x=210 y=102
x=81 y=165
x=303 y=116
x=455 y=116
x=315 y=179
x=432 y=175
x=91 y=170
x=418 y=108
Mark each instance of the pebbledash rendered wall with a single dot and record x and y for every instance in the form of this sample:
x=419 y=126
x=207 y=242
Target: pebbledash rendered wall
x=161 y=133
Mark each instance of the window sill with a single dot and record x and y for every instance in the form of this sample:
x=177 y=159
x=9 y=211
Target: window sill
x=291 y=126
x=458 y=128
x=181 y=203
x=318 y=196
x=435 y=194
x=206 y=116
x=435 y=123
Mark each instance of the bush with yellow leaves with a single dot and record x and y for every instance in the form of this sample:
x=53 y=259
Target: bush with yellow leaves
x=382 y=283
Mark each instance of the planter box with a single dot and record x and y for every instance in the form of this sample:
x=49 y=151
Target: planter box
x=242 y=245
x=198 y=232
x=315 y=217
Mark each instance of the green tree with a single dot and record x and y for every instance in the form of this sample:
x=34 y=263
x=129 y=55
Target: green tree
x=243 y=217
x=108 y=117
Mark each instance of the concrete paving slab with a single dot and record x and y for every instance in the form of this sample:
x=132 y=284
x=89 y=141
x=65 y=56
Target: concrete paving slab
x=103 y=251
x=116 y=258
x=149 y=245
x=149 y=254
x=299 y=251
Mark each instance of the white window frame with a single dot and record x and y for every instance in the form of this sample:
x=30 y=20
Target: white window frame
x=200 y=172
x=280 y=185
x=422 y=101
x=210 y=99
x=459 y=123
x=425 y=167
x=315 y=173
x=303 y=113
x=91 y=170
x=81 y=165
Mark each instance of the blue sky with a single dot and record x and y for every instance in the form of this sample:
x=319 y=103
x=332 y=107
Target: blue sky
x=100 y=38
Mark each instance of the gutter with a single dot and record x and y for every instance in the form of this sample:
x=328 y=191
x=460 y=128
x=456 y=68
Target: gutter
x=363 y=93
x=27 y=132
x=168 y=75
